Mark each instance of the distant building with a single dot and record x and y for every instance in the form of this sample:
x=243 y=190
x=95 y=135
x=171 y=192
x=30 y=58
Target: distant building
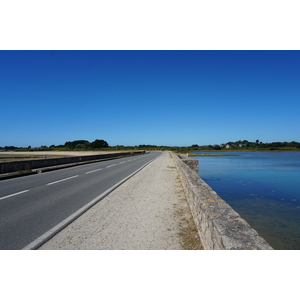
x=227 y=146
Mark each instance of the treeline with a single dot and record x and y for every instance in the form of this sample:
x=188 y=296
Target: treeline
x=82 y=145
x=74 y=145
x=246 y=145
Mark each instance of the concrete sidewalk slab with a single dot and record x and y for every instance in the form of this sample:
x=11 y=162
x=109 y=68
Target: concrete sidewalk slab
x=141 y=214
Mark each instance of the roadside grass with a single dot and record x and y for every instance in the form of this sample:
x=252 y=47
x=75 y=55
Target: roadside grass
x=188 y=233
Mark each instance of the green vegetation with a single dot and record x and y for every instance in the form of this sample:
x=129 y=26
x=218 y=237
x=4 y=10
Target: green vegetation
x=257 y=145
x=101 y=145
x=86 y=145
x=97 y=145
x=80 y=145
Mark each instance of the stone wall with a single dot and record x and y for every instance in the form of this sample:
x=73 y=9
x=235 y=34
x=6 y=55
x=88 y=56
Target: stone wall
x=15 y=166
x=191 y=162
x=219 y=226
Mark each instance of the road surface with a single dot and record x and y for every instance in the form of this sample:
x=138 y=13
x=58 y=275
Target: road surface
x=33 y=205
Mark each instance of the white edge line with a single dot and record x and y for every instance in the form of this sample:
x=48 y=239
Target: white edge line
x=15 y=194
x=50 y=233
x=62 y=180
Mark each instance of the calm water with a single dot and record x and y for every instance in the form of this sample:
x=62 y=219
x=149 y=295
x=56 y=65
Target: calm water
x=263 y=187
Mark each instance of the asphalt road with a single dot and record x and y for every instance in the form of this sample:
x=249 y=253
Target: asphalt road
x=30 y=206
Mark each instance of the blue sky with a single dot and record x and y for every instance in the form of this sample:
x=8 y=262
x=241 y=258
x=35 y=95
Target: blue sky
x=175 y=98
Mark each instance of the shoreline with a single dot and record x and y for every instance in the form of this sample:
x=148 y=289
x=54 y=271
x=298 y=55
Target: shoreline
x=205 y=154
x=247 y=150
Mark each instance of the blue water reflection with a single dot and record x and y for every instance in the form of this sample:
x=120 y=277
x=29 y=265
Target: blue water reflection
x=263 y=187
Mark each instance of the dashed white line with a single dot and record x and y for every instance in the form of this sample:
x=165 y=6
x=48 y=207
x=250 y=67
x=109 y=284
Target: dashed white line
x=15 y=194
x=93 y=171
x=122 y=162
x=110 y=166
x=62 y=180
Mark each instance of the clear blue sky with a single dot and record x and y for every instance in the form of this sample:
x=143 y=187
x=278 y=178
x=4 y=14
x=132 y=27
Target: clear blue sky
x=175 y=98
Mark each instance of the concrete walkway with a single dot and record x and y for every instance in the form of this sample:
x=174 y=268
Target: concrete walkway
x=141 y=214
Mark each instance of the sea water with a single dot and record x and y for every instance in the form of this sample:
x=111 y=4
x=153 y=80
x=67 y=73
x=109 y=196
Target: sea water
x=263 y=187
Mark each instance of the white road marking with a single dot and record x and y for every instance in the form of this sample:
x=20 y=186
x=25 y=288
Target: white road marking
x=62 y=180
x=122 y=162
x=110 y=166
x=11 y=195
x=129 y=160
x=93 y=171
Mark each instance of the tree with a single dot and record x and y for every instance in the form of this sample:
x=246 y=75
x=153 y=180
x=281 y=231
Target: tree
x=72 y=145
x=99 y=144
x=80 y=146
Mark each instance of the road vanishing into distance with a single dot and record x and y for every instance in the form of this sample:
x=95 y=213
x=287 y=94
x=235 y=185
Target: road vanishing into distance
x=33 y=205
